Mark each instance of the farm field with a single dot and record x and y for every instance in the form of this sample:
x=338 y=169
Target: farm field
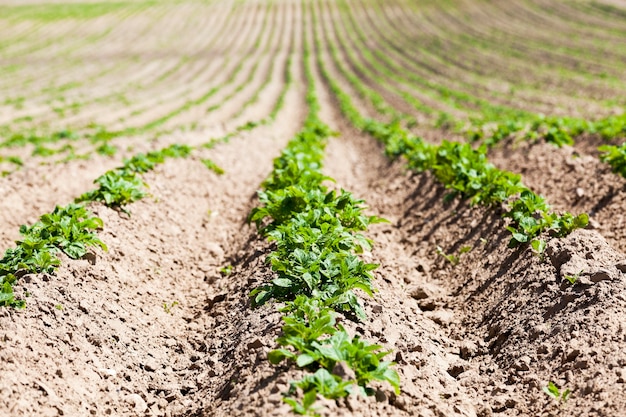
x=313 y=207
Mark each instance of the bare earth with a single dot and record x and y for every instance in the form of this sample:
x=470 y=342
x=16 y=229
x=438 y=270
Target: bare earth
x=156 y=327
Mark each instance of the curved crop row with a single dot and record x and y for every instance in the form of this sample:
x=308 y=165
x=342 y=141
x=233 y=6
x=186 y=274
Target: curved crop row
x=64 y=142
x=553 y=129
x=465 y=171
x=494 y=123
x=317 y=235
x=71 y=229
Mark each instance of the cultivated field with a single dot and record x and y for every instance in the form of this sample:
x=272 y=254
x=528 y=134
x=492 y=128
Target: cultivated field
x=333 y=207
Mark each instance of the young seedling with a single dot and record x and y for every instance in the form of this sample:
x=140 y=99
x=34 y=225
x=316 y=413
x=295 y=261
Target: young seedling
x=573 y=278
x=168 y=307
x=538 y=247
x=553 y=391
x=106 y=149
x=213 y=166
x=116 y=189
x=452 y=258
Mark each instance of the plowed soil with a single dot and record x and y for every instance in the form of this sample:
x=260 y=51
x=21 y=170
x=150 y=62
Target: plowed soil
x=161 y=323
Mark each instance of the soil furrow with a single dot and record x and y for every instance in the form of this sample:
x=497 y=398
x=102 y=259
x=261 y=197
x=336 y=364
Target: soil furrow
x=130 y=330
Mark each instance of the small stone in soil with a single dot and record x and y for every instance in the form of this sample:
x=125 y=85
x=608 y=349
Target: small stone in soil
x=138 y=402
x=600 y=275
x=255 y=344
x=150 y=366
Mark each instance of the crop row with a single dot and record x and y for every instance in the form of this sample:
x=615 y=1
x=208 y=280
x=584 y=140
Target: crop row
x=22 y=137
x=318 y=236
x=490 y=125
x=71 y=229
x=463 y=170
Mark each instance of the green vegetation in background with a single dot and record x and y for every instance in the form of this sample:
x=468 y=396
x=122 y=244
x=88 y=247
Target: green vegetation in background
x=59 y=11
x=615 y=156
x=490 y=123
x=463 y=170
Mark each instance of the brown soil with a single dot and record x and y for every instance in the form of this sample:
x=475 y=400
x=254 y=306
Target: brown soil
x=156 y=327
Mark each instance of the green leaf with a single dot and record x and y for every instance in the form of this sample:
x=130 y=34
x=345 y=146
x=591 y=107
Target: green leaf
x=276 y=356
x=295 y=406
x=305 y=360
x=552 y=390
x=309 y=398
x=282 y=282
x=393 y=378
x=538 y=245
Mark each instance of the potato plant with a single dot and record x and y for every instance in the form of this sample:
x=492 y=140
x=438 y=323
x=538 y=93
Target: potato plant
x=466 y=172
x=70 y=229
x=615 y=156
x=317 y=235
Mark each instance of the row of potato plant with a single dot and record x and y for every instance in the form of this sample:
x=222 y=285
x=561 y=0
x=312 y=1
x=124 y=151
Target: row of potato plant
x=492 y=122
x=465 y=171
x=72 y=229
x=559 y=131
x=99 y=135
x=615 y=156
x=317 y=233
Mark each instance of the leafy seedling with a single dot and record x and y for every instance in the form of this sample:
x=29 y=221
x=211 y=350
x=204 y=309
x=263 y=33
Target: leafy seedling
x=213 y=166
x=553 y=391
x=168 y=307
x=573 y=278
x=116 y=189
x=452 y=258
x=106 y=149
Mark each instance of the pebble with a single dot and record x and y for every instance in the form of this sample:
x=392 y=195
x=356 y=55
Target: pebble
x=84 y=306
x=150 y=366
x=523 y=364
x=215 y=250
x=107 y=372
x=255 y=344
x=600 y=275
x=442 y=317
x=381 y=397
x=468 y=349
x=138 y=402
